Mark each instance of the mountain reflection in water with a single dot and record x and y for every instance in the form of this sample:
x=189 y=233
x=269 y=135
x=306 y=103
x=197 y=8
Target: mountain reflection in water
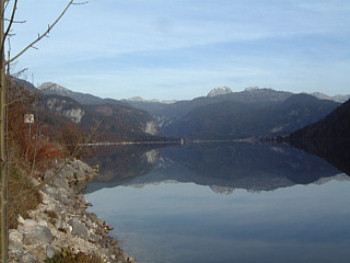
x=165 y=207
x=222 y=167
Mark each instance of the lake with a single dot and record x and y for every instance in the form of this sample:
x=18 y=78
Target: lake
x=228 y=202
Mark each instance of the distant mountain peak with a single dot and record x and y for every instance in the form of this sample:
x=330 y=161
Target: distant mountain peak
x=257 y=89
x=251 y=88
x=336 y=98
x=140 y=99
x=219 y=91
x=82 y=98
x=54 y=88
x=136 y=98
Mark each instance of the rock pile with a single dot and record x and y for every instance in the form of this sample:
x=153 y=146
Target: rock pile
x=61 y=221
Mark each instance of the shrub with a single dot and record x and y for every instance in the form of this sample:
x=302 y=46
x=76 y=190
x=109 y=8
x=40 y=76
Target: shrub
x=71 y=136
x=22 y=195
x=67 y=256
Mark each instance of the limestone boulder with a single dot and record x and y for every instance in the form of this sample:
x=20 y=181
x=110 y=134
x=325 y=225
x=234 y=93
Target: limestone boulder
x=37 y=235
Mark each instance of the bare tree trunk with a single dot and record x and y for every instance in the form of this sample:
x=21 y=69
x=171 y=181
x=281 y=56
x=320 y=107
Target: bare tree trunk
x=3 y=157
x=4 y=173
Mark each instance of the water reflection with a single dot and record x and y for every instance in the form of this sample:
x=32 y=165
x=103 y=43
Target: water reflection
x=254 y=167
x=119 y=164
x=162 y=209
x=336 y=151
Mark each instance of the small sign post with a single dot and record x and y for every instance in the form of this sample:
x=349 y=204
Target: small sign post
x=29 y=118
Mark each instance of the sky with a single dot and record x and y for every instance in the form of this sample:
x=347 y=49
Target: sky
x=181 y=49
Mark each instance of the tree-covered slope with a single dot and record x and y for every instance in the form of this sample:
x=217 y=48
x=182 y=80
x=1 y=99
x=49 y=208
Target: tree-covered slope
x=334 y=126
x=230 y=119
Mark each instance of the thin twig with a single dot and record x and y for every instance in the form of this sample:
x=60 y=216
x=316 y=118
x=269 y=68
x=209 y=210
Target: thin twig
x=71 y=2
x=15 y=21
x=10 y=25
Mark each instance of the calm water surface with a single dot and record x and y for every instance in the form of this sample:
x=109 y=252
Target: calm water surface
x=224 y=203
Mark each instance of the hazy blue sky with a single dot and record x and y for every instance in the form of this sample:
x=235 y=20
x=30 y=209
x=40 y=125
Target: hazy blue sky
x=180 y=49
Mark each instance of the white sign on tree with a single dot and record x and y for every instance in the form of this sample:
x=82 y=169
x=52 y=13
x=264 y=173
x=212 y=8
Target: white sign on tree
x=29 y=118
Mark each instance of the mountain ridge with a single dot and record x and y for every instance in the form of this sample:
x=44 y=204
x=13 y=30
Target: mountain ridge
x=233 y=120
x=222 y=114
x=334 y=125
x=51 y=87
x=111 y=120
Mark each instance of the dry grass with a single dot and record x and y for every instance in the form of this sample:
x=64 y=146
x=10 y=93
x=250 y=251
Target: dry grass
x=67 y=256
x=19 y=183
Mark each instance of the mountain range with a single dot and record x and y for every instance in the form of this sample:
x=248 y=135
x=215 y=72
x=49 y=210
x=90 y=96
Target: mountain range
x=109 y=119
x=222 y=114
x=233 y=119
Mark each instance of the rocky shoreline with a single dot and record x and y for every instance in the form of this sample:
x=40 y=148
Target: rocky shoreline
x=61 y=222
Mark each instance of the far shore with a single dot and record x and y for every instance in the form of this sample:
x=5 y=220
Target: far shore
x=170 y=142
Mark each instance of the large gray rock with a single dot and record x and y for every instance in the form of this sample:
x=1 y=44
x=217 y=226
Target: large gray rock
x=81 y=166
x=51 y=251
x=61 y=225
x=65 y=199
x=28 y=258
x=29 y=223
x=68 y=173
x=96 y=238
x=79 y=229
x=15 y=240
x=80 y=176
x=37 y=235
x=48 y=175
x=51 y=191
x=60 y=181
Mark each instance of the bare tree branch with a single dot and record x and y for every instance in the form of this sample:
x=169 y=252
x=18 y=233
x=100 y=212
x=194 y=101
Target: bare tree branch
x=81 y=3
x=14 y=21
x=18 y=73
x=10 y=24
x=31 y=45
